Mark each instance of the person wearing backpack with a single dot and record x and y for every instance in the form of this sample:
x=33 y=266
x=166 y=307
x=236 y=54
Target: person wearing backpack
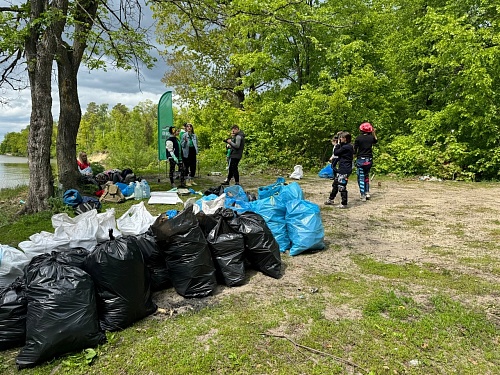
x=174 y=156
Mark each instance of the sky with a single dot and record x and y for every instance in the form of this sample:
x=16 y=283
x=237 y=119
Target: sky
x=111 y=87
x=102 y=87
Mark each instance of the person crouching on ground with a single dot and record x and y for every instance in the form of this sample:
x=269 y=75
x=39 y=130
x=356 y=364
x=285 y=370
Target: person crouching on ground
x=174 y=157
x=345 y=154
x=237 y=144
x=83 y=164
x=364 y=157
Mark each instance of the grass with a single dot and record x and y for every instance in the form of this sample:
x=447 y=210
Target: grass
x=372 y=318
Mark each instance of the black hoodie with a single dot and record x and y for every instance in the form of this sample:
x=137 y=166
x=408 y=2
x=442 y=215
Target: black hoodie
x=237 y=145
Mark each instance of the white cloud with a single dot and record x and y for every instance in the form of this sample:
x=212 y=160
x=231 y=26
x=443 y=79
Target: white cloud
x=111 y=87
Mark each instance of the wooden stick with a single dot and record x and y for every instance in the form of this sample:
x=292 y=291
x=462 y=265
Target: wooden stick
x=338 y=359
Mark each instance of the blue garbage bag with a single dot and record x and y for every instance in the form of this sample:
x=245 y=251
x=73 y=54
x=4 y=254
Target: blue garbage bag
x=273 y=214
x=326 y=172
x=304 y=225
x=267 y=191
x=234 y=195
x=288 y=193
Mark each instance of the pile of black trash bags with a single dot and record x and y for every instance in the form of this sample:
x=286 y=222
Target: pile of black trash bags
x=68 y=298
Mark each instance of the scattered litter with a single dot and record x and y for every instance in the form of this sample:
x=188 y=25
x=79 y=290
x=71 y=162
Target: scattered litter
x=164 y=197
x=429 y=178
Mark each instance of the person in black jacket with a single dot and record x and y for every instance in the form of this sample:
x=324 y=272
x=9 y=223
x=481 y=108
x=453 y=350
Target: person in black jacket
x=364 y=157
x=174 y=155
x=237 y=144
x=345 y=154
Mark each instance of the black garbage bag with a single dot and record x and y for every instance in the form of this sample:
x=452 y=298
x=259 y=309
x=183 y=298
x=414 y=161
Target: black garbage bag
x=74 y=256
x=207 y=222
x=122 y=283
x=217 y=190
x=187 y=254
x=164 y=229
x=228 y=252
x=155 y=262
x=62 y=313
x=13 y=307
x=70 y=256
x=261 y=248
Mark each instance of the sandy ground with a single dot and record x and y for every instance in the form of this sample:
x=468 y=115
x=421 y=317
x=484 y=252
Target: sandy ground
x=420 y=222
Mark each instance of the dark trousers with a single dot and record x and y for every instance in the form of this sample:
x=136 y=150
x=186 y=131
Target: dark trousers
x=172 y=170
x=233 y=170
x=340 y=185
x=190 y=163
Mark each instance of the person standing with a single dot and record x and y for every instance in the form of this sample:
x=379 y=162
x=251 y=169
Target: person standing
x=237 y=144
x=345 y=154
x=189 y=145
x=174 y=155
x=183 y=130
x=364 y=157
x=334 y=159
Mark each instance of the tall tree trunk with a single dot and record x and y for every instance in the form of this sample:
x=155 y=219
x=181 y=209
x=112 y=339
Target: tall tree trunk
x=70 y=115
x=69 y=121
x=40 y=50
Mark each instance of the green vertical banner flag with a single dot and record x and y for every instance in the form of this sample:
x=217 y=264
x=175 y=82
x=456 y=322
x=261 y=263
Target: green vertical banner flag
x=165 y=120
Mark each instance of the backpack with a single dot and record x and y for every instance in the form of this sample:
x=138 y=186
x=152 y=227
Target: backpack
x=101 y=178
x=72 y=197
x=89 y=203
x=126 y=172
x=112 y=193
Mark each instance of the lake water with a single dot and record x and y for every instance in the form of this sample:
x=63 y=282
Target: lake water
x=14 y=171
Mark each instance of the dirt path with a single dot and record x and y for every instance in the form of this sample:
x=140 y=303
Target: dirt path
x=452 y=226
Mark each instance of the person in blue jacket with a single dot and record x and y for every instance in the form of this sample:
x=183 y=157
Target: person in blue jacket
x=189 y=145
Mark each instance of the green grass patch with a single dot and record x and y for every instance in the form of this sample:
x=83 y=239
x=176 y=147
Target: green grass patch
x=438 y=250
x=427 y=275
x=486 y=262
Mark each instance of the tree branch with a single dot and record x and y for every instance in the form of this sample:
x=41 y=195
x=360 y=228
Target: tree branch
x=338 y=359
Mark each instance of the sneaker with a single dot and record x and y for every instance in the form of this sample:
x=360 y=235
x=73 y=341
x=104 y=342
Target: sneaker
x=363 y=198
x=225 y=182
x=236 y=183
x=342 y=206
x=329 y=202
x=367 y=196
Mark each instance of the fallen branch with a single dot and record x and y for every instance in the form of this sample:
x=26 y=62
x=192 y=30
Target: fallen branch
x=338 y=359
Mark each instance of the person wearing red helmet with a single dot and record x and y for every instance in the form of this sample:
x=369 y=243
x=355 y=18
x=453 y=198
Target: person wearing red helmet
x=364 y=157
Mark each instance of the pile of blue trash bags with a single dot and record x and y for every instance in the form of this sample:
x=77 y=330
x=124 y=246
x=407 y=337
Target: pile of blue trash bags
x=295 y=222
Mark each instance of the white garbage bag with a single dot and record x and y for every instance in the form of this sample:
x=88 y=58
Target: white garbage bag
x=297 y=173
x=136 y=220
